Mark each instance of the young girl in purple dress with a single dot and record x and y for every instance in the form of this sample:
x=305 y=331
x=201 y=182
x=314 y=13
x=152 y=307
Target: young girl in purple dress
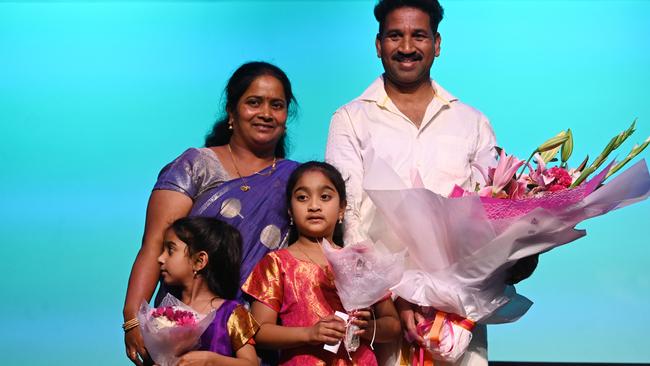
x=201 y=258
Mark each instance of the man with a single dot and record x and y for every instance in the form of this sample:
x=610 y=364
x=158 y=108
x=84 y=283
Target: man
x=416 y=126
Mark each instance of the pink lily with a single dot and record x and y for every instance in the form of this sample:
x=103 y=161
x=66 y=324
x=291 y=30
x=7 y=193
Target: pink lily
x=516 y=190
x=504 y=171
x=486 y=192
x=537 y=176
x=487 y=177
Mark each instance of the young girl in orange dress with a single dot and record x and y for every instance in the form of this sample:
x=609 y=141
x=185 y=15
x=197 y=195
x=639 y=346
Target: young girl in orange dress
x=293 y=289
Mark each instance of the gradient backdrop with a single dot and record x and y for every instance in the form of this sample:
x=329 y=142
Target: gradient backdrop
x=95 y=97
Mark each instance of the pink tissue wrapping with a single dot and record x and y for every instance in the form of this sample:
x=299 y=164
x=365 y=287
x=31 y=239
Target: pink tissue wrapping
x=460 y=248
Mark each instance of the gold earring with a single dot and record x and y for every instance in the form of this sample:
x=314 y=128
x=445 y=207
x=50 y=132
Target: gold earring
x=195 y=273
x=230 y=124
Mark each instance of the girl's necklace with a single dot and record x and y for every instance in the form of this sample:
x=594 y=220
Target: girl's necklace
x=326 y=269
x=207 y=307
x=245 y=187
x=309 y=257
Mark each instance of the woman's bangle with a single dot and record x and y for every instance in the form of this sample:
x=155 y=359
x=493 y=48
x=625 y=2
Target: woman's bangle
x=130 y=324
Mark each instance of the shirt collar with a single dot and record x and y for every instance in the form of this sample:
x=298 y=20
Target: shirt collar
x=376 y=93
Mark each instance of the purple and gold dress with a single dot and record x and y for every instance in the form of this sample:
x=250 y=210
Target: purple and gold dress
x=260 y=214
x=232 y=328
x=302 y=293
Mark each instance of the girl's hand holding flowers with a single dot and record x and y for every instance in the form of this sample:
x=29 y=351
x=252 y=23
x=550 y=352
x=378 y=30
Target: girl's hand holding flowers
x=329 y=330
x=361 y=318
x=171 y=329
x=196 y=358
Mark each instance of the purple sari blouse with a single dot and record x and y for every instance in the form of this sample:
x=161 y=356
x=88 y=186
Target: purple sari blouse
x=232 y=328
x=260 y=214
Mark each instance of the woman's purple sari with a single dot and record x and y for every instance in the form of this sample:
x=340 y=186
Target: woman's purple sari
x=260 y=214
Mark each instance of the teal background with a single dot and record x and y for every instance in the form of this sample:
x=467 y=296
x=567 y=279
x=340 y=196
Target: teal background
x=95 y=97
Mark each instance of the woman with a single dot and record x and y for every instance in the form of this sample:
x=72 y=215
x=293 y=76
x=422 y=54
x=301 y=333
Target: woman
x=239 y=177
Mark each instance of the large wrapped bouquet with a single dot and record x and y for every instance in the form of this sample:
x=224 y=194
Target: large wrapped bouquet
x=461 y=246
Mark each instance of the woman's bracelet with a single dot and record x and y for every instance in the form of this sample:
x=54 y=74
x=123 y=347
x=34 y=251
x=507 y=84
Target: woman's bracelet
x=130 y=324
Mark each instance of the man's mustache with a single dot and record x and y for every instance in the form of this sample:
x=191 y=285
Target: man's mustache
x=414 y=56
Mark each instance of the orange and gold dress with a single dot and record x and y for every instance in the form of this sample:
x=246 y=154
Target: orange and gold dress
x=302 y=293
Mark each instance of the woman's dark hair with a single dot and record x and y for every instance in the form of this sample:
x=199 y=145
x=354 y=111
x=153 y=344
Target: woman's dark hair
x=331 y=173
x=223 y=244
x=238 y=83
x=431 y=7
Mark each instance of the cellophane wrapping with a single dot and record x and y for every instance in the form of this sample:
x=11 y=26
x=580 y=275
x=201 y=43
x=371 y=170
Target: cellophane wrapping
x=166 y=339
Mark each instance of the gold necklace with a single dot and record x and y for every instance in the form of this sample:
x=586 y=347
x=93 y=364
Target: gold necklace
x=245 y=187
x=326 y=270
x=275 y=159
x=308 y=257
x=208 y=307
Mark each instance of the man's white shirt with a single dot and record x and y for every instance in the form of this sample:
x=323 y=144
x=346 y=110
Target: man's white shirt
x=451 y=137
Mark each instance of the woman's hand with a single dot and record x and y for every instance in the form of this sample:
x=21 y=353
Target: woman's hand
x=135 y=350
x=164 y=208
x=361 y=318
x=329 y=330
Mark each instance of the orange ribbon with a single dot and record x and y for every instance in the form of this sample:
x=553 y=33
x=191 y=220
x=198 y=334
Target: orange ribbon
x=432 y=330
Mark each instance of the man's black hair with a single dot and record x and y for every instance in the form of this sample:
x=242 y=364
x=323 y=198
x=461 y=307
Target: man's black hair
x=430 y=7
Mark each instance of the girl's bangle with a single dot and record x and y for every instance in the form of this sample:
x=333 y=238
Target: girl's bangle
x=130 y=324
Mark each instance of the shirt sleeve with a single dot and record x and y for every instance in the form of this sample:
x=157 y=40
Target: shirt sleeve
x=241 y=328
x=344 y=152
x=183 y=175
x=485 y=153
x=265 y=284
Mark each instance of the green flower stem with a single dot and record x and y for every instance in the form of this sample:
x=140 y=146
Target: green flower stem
x=636 y=150
x=526 y=164
x=613 y=144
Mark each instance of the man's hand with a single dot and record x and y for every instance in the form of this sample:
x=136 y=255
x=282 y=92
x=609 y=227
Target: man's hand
x=410 y=315
x=522 y=269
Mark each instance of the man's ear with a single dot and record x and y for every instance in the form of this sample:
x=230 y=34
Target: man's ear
x=378 y=45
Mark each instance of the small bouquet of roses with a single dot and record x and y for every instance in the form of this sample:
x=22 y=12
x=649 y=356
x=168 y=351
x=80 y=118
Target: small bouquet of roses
x=461 y=247
x=171 y=329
